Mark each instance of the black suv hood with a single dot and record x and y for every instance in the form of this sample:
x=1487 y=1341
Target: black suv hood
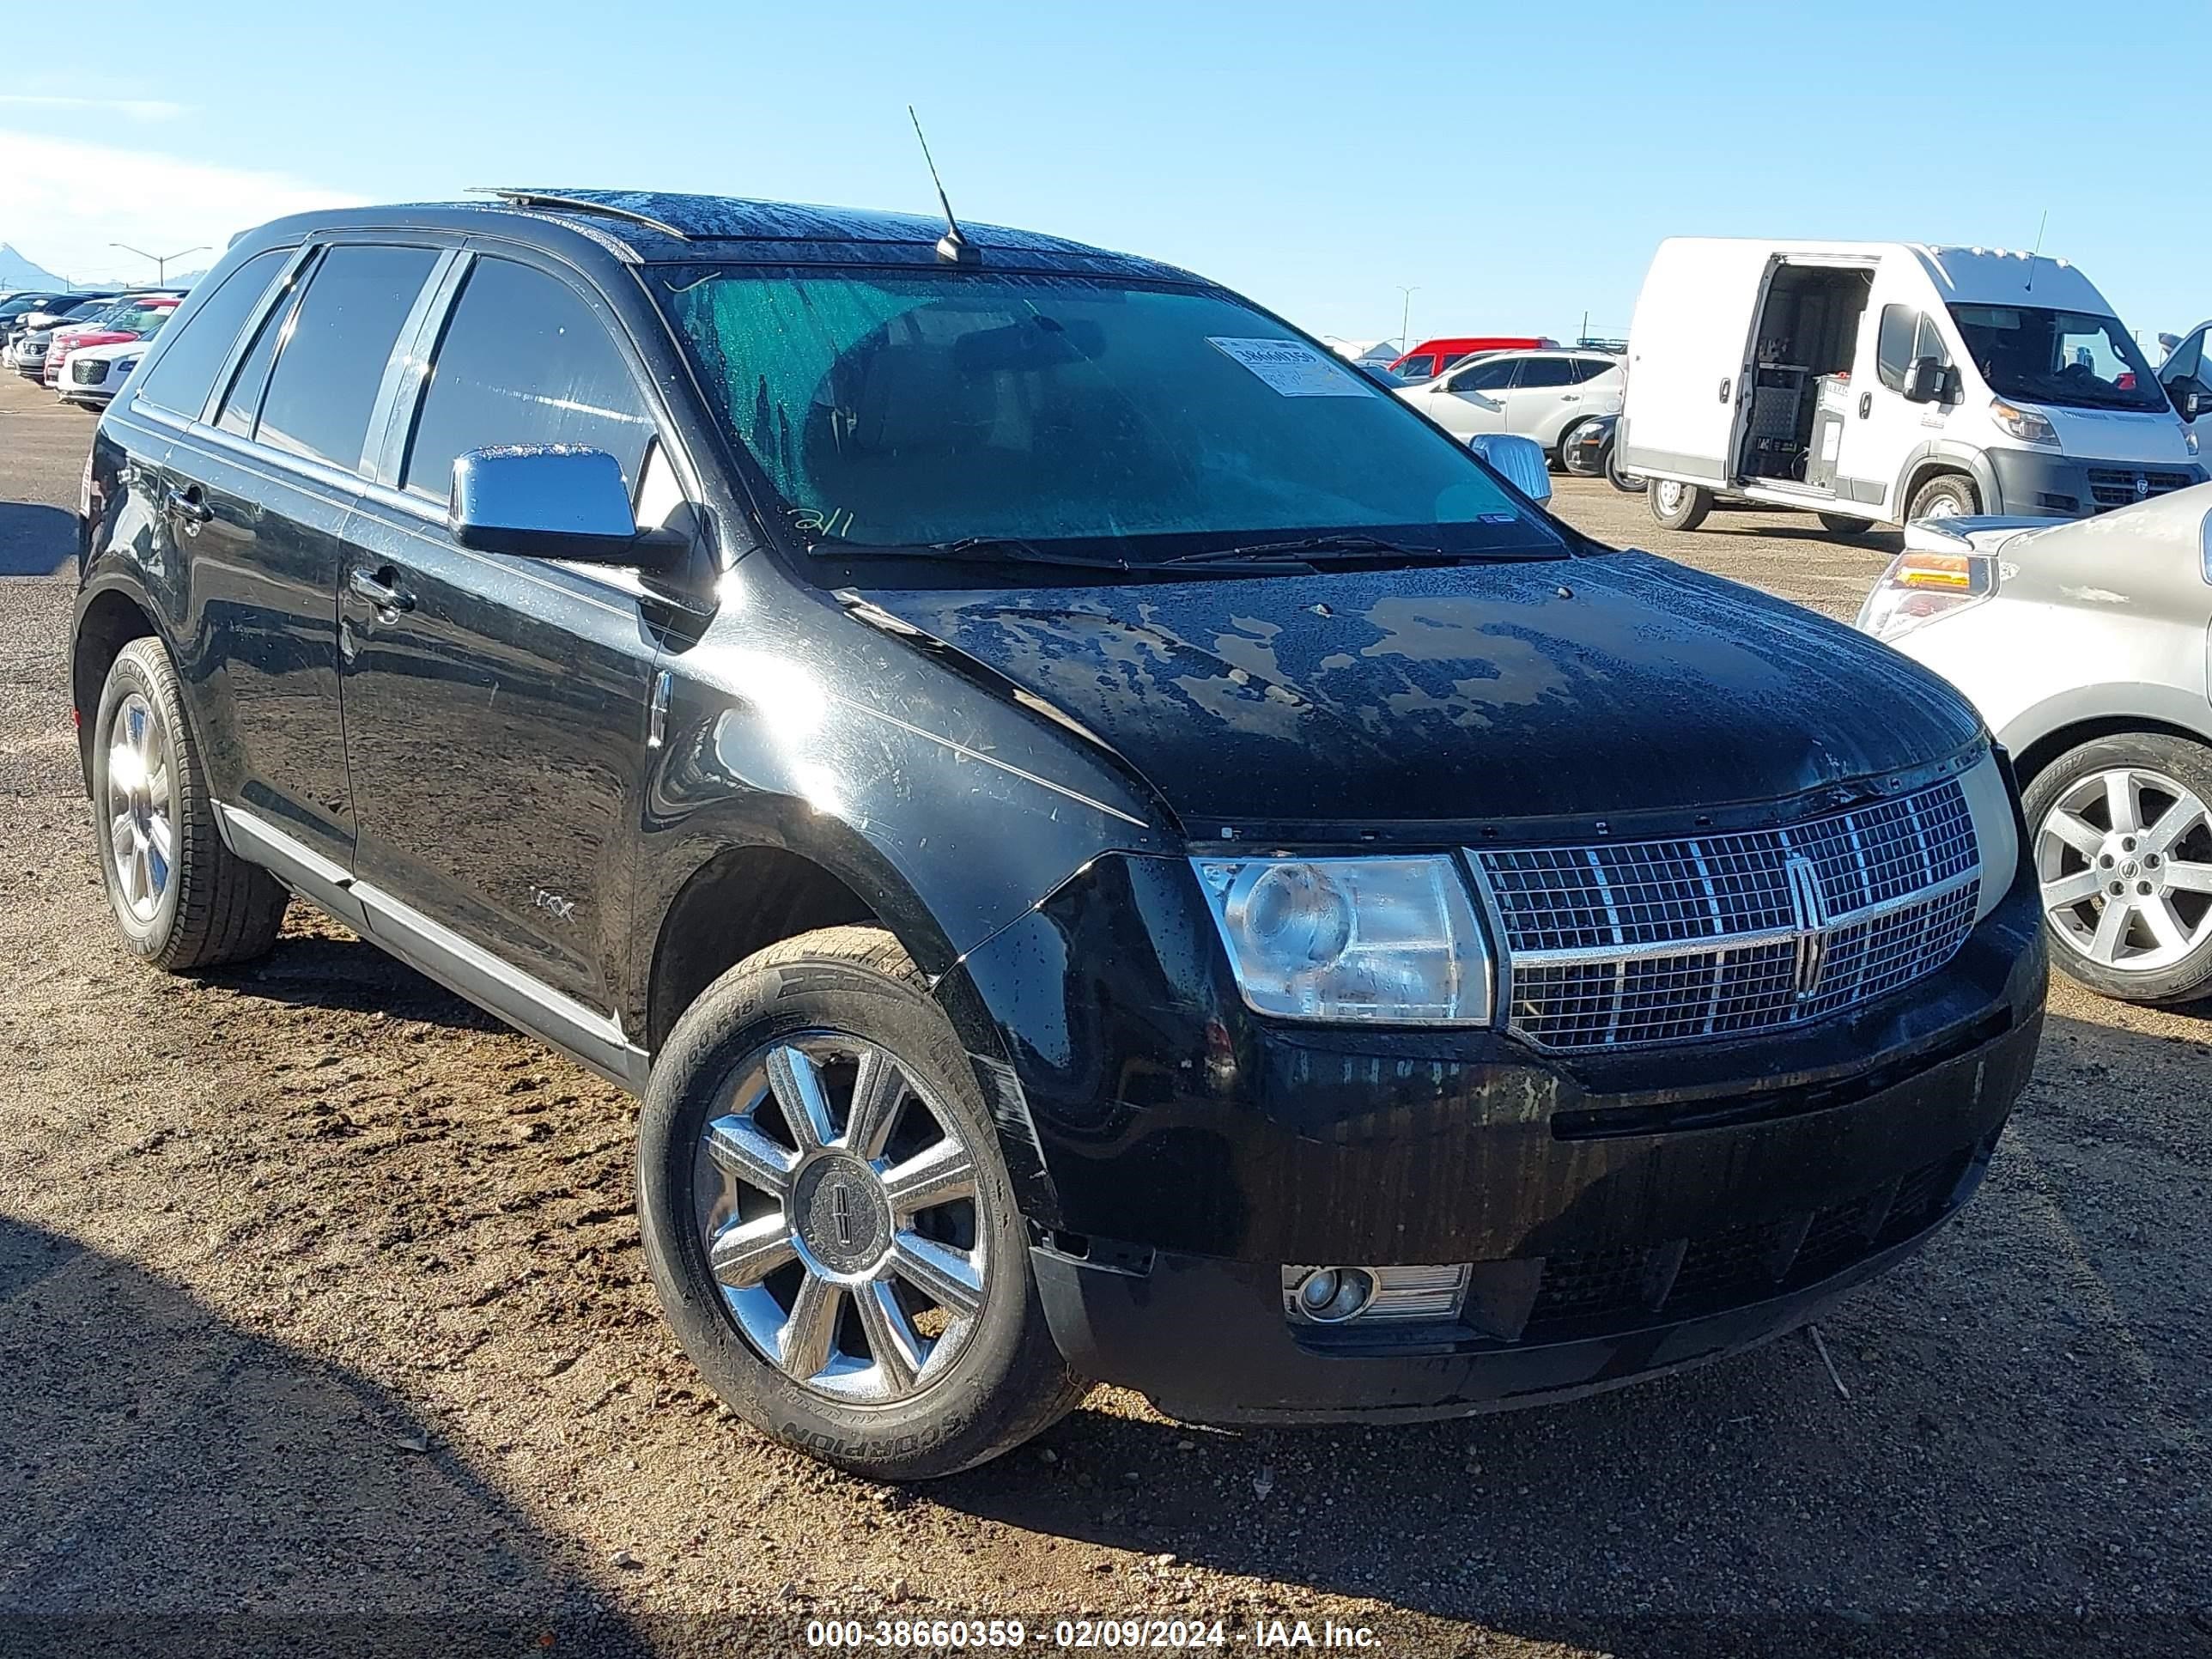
x=1592 y=687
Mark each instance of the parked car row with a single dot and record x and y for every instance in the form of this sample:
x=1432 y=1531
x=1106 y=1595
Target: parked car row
x=1540 y=394
x=41 y=337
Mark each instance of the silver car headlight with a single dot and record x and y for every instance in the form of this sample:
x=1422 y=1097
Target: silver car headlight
x=1385 y=940
x=1996 y=834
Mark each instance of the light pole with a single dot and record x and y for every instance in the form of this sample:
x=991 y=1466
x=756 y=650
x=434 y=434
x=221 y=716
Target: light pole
x=160 y=260
x=1406 y=317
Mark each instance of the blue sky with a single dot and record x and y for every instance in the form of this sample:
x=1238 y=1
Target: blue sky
x=1516 y=163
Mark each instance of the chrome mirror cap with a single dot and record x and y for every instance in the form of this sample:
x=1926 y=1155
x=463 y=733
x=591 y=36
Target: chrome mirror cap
x=1520 y=459
x=550 y=501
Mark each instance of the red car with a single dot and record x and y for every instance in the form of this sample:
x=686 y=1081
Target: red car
x=1432 y=357
x=128 y=319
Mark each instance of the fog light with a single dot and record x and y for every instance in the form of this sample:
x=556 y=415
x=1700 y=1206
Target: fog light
x=1328 y=1294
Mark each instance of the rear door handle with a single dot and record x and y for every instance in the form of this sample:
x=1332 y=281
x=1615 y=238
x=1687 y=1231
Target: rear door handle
x=381 y=590
x=189 y=504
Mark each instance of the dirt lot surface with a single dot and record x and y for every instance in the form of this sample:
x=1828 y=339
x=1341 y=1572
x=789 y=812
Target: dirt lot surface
x=322 y=1312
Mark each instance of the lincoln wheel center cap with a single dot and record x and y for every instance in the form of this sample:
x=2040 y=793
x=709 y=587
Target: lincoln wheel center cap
x=844 y=1218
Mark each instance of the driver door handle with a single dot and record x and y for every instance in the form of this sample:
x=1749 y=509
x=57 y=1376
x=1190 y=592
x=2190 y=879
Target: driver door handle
x=381 y=590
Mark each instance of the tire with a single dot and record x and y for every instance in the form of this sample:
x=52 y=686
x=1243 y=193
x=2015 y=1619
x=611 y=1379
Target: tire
x=182 y=900
x=1946 y=495
x=1627 y=482
x=1562 y=451
x=738 y=1051
x=1838 y=524
x=1679 y=506
x=2166 y=865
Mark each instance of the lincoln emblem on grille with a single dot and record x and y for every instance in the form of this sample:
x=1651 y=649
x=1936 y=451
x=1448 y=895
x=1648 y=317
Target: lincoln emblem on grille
x=1812 y=909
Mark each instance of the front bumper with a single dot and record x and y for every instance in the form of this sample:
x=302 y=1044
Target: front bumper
x=1624 y=1213
x=2046 y=483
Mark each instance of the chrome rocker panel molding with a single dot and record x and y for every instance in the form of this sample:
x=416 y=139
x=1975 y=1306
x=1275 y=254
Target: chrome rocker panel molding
x=591 y=1039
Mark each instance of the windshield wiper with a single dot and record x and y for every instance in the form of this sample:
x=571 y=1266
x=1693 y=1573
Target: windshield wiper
x=975 y=550
x=1351 y=547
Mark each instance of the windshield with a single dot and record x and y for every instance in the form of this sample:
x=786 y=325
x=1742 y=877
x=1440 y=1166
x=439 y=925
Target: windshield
x=2067 y=357
x=904 y=410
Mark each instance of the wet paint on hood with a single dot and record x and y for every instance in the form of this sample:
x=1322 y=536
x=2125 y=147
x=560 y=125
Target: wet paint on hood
x=1612 y=686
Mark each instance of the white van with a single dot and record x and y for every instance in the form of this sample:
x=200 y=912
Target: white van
x=1875 y=382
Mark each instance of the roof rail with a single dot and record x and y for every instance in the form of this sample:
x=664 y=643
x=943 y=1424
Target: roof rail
x=547 y=198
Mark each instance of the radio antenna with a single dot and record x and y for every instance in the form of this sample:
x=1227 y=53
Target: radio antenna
x=2040 y=225
x=952 y=247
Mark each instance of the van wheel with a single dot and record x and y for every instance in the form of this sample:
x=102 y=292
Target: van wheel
x=828 y=1222
x=1837 y=523
x=1678 y=506
x=182 y=899
x=1946 y=495
x=2122 y=834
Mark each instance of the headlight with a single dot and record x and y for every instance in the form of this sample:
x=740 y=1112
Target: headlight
x=1922 y=586
x=1995 y=830
x=2024 y=424
x=1389 y=940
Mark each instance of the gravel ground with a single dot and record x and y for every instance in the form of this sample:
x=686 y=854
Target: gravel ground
x=322 y=1313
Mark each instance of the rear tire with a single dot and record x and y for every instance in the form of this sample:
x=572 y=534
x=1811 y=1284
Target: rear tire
x=182 y=900
x=800 y=1222
x=1946 y=495
x=2160 y=948
x=1678 y=506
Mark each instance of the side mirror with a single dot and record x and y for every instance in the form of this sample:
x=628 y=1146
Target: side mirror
x=1520 y=460
x=1927 y=380
x=551 y=501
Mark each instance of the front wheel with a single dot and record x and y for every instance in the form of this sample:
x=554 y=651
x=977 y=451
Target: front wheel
x=1678 y=506
x=829 y=1221
x=2123 y=843
x=1627 y=482
x=1838 y=524
x=1948 y=495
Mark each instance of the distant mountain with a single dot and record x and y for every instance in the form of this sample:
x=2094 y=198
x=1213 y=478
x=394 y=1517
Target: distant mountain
x=16 y=272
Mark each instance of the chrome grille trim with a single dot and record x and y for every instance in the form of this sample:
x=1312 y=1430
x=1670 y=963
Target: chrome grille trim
x=1616 y=944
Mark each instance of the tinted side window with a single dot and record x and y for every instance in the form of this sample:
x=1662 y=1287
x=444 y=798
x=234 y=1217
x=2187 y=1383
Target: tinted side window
x=525 y=360
x=333 y=358
x=1545 y=371
x=1493 y=375
x=1892 y=351
x=1589 y=368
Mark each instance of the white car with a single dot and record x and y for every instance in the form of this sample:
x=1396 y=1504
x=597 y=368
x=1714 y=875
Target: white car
x=92 y=376
x=1542 y=395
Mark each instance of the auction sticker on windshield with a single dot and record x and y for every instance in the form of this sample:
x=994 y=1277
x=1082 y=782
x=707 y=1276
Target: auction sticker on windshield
x=1293 y=368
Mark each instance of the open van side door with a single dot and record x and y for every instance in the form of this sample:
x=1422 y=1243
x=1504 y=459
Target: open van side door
x=1689 y=356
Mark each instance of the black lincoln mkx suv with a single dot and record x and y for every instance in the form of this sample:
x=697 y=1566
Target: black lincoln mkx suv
x=1111 y=846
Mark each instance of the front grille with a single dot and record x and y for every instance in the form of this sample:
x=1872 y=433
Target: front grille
x=1580 y=1291
x=2112 y=486
x=88 y=371
x=1657 y=941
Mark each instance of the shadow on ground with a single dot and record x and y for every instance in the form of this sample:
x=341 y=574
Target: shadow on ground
x=319 y=963
x=170 y=1483
x=36 y=540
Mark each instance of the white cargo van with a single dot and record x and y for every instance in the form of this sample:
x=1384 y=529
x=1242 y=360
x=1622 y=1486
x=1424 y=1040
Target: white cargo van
x=1875 y=382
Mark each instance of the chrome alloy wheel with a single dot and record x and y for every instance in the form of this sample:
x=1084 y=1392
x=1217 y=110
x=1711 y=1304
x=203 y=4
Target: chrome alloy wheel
x=2125 y=858
x=838 y=1203
x=142 y=829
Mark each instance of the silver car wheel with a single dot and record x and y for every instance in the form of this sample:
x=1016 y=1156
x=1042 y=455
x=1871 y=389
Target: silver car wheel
x=838 y=1203
x=142 y=830
x=2125 y=858
x=1669 y=493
